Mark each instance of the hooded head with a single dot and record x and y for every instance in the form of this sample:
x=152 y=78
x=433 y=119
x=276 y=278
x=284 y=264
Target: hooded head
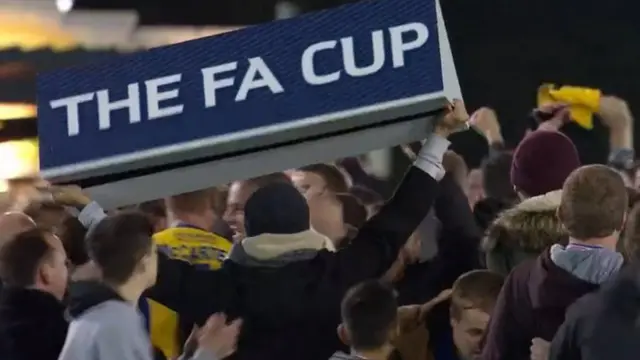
x=523 y=232
x=276 y=209
x=542 y=161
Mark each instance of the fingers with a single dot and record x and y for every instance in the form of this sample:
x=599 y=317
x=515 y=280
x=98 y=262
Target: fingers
x=215 y=322
x=429 y=305
x=539 y=349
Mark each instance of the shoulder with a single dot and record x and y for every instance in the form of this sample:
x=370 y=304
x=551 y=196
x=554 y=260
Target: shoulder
x=521 y=273
x=114 y=314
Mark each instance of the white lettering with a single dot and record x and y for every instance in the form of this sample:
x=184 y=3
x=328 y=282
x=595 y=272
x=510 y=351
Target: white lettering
x=349 y=56
x=72 y=104
x=399 y=47
x=258 y=68
x=155 y=96
x=211 y=84
x=131 y=102
x=308 y=69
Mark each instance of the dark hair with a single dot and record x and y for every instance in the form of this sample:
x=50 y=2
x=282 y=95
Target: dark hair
x=155 y=208
x=594 y=202
x=268 y=179
x=496 y=176
x=119 y=242
x=634 y=197
x=21 y=256
x=335 y=179
x=631 y=239
x=477 y=289
x=73 y=239
x=369 y=312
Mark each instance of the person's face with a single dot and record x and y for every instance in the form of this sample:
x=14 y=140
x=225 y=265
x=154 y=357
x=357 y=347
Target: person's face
x=54 y=274
x=324 y=207
x=468 y=331
x=309 y=184
x=239 y=193
x=475 y=190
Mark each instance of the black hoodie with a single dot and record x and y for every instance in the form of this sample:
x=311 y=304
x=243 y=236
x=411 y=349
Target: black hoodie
x=32 y=325
x=291 y=308
x=603 y=325
x=532 y=303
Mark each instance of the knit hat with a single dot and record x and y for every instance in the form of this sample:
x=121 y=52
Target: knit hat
x=277 y=208
x=542 y=162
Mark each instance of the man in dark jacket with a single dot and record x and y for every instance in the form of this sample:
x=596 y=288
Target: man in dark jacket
x=603 y=325
x=32 y=322
x=536 y=294
x=287 y=287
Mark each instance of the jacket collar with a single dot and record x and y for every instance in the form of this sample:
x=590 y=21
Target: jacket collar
x=19 y=302
x=279 y=249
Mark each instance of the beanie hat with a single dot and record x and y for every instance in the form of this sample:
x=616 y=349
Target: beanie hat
x=542 y=162
x=277 y=208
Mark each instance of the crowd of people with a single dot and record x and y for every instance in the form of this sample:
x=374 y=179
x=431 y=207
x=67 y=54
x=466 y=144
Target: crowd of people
x=530 y=256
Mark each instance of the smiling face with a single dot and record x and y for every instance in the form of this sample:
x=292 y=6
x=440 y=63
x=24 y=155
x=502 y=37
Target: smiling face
x=239 y=193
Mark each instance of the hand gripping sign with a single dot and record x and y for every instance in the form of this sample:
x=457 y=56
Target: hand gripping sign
x=188 y=116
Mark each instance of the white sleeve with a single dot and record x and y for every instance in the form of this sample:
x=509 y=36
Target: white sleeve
x=429 y=158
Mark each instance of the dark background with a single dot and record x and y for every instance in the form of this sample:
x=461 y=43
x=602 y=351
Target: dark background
x=503 y=50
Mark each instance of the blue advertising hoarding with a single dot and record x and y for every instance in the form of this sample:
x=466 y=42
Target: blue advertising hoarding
x=353 y=66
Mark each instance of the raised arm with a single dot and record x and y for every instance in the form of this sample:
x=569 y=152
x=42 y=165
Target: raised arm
x=379 y=240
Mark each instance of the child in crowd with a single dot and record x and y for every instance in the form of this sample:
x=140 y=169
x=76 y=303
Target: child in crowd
x=369 y=322
x=372 y=321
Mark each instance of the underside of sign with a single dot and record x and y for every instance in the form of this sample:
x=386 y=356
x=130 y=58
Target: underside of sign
x=180 y=179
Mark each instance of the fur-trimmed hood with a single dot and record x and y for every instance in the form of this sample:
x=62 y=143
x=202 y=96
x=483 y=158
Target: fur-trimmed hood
x=531 y=226
x=276 y=250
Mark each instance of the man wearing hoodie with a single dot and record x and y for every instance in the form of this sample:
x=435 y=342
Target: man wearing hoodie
x=285 y=279
x=537 y=292
x=541 y=163
x=239 y=193
x=106 y=323
x=604 y=324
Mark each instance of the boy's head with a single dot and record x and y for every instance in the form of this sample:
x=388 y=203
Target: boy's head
x=195 y=207
x=472 y=300
x=122 y=247
x=594 y=203
x=369 y=316
x=157 y=213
